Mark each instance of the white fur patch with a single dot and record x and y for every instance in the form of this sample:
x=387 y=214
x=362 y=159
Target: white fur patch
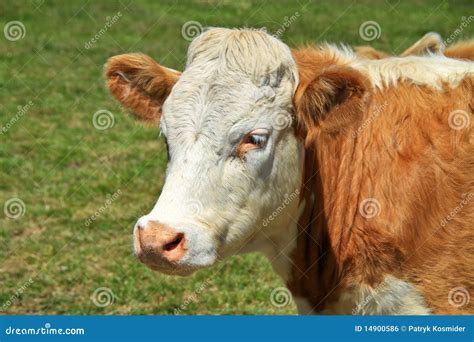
x=391 y=297
x=431 y=70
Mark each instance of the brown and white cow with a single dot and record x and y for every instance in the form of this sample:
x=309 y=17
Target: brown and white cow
x=355 y=177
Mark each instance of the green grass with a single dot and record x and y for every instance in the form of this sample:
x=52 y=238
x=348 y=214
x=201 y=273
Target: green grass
x=64 y=169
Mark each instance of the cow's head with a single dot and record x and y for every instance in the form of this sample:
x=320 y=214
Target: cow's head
x=234 y=156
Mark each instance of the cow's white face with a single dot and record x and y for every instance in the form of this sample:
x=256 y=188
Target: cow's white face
x=233 y=158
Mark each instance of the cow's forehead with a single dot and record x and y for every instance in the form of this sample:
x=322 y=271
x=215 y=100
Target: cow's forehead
x=230 y=76
x=212 y=106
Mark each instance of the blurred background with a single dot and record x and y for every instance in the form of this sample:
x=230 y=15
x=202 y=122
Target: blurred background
x=76 y=171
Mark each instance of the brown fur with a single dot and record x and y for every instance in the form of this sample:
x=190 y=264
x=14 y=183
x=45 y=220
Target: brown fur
x=140 y=84
x=370 y=53
x=410 y=160
x=461 y=50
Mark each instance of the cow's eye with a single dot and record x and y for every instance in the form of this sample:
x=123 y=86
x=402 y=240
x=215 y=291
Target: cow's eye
x=253 y=140
x=257 y=140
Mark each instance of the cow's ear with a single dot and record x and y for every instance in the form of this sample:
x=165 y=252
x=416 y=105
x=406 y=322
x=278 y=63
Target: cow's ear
x=429 y=43
x=140 y=84
x=332 y=98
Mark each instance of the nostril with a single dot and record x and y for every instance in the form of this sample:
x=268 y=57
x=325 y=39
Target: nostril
x=172 y=245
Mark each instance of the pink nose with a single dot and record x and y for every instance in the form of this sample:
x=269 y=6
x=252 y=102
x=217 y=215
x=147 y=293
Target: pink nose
x=158 y=245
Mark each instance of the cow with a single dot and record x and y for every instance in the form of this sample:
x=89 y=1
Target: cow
x=355 y=177
x=430 y=43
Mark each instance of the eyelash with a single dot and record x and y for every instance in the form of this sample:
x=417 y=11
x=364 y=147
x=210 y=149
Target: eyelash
x=250 y=142
x=258 y=140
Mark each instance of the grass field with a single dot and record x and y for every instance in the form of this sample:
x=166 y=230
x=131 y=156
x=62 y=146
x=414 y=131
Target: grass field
x=68 y=250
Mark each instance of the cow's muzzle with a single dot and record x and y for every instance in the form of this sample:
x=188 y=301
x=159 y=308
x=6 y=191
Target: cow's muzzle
x=160 y=247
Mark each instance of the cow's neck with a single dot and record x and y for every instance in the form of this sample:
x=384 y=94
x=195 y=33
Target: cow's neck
x=336 y=262
x=320 y=254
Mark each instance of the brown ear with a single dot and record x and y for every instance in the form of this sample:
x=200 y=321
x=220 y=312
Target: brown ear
x=140 y=84
x=332 y=98
x=430 y=42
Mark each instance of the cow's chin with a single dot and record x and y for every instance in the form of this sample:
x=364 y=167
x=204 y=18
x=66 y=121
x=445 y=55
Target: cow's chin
x=174 y=271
